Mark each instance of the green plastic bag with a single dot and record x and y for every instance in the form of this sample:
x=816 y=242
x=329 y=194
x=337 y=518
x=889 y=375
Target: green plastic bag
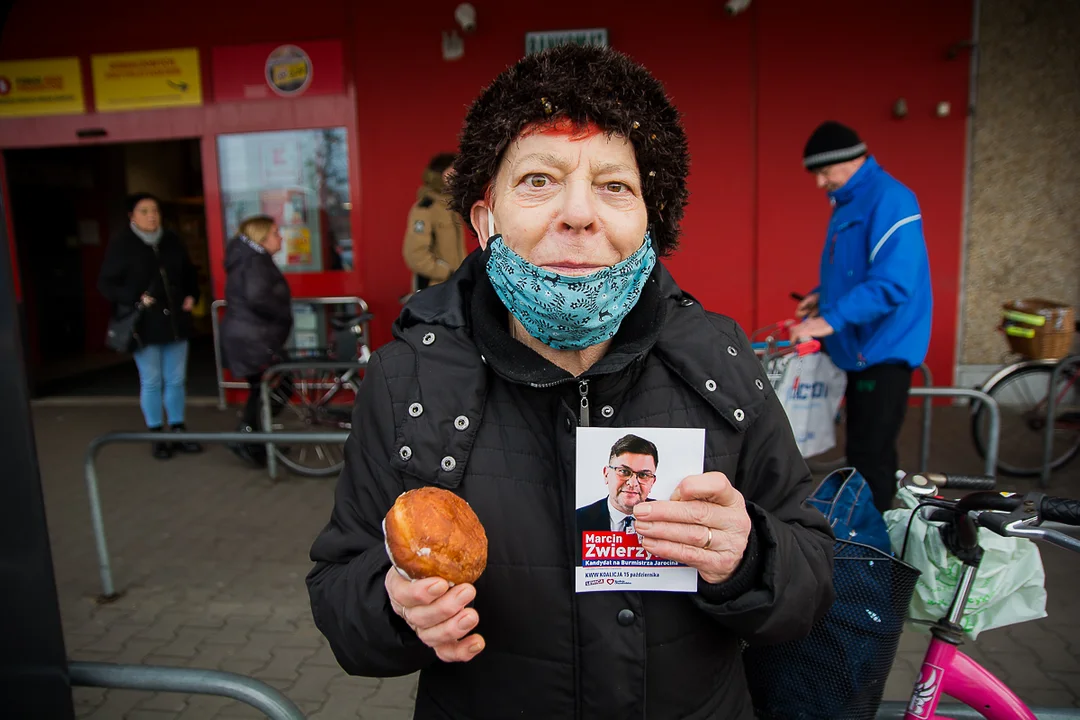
x=1009 y=586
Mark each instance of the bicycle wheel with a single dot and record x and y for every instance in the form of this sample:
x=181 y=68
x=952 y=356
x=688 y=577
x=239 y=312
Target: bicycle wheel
x=1021 y=396
x=321 y=401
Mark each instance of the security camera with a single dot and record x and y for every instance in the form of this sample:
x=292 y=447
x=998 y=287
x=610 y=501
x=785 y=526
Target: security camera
x=734 y=7
x=465 y=14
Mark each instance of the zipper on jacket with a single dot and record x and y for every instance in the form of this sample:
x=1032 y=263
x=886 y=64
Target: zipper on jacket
x=583 y=390
x=168 y=297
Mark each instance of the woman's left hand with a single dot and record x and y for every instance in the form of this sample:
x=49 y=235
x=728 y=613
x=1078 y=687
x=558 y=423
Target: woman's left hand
x=704 y=525
x=189 y=303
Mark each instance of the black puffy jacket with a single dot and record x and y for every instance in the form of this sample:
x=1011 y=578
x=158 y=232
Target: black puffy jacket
x=551 y=653
x=131 y=268
x=258 y=309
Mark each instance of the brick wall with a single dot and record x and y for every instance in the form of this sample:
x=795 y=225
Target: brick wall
x=1024 y=236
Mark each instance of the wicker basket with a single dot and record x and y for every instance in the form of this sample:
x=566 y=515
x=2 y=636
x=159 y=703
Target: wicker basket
x=1038 y=329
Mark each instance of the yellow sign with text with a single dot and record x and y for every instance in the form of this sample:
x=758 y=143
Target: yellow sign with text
x=138 y=81
x=41 y=87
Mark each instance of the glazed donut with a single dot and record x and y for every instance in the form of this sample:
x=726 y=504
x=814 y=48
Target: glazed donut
x=431 y=532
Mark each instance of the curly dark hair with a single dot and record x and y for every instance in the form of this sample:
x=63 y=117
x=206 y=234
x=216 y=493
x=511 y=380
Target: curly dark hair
x=581 y=84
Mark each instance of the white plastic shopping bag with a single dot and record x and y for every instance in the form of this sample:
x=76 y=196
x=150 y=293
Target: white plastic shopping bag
x=1009 y=587
x=810 y=389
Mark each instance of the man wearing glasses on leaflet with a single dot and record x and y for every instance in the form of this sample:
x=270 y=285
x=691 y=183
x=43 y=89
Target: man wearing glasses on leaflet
x=630 y=475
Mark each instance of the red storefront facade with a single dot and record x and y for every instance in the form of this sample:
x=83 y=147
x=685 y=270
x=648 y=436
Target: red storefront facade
x=751 y=88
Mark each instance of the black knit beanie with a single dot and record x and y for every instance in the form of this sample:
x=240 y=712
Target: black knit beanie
x=832 y=143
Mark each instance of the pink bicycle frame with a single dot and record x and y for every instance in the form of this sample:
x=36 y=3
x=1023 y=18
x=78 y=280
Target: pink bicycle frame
x=946 y=670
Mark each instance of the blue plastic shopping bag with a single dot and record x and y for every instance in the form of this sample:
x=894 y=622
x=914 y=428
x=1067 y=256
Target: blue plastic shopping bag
x=846 y=500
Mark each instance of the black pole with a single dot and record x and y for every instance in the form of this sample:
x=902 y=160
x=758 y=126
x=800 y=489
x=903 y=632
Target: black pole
x=34 y=678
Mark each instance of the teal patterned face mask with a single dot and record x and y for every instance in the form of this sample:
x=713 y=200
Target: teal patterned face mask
x=568 y=312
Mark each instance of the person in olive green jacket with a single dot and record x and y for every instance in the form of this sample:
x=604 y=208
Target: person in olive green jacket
x=434 y=244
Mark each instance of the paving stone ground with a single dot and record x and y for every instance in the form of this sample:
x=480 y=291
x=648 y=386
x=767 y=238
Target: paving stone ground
x=211 y=556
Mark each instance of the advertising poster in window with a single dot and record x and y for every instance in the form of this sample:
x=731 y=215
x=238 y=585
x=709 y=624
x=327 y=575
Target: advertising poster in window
x=300 y=178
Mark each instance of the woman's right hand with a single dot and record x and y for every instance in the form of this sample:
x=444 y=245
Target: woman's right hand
x=146 y=300
x=437 y=614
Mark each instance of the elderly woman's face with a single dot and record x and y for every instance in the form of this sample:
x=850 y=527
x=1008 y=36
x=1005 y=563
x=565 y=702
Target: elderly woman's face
x=568 y=203
x=146 y=216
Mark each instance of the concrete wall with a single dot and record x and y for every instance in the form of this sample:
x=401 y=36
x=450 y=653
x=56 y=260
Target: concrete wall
x=1024 y=236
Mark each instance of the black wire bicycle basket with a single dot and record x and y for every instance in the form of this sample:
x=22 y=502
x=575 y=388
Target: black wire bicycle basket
x=838 y=671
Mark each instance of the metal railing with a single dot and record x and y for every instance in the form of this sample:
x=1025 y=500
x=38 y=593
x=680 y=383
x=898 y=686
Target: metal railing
x=190 y=681
x=264 y=390
x=108 y=591
x=927 y=419
x=1051 y=410
x=215 y=325
x=994 y=438
x=278 y=707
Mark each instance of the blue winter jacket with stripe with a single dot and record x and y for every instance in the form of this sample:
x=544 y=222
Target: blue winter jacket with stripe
x=875 y=274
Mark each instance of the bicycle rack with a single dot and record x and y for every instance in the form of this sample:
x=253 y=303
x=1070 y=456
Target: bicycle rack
x=215 y=325
x=108 y=591
x=924 y=437
x=190 y=681
x=1051 y=408
x=993 y=441
x=264 y=390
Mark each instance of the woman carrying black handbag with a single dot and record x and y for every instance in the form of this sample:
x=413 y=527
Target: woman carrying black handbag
x=152 y=284
x=258 y=318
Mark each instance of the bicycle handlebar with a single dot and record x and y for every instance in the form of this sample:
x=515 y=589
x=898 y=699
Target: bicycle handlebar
x=957 y=482
x=1006 y=514
x=1062 y=510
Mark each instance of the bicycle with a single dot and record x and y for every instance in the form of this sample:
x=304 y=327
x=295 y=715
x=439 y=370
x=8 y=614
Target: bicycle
x=1022 y=391
x=945 y=669
x=317 y=393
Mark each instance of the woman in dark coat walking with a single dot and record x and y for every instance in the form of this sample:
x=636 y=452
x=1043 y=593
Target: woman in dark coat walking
x=258 y=316
x=147 y=267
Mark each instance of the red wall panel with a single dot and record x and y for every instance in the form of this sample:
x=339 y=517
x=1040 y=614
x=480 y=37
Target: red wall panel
x=850 y=61
x=751 y=88
x=411 y=104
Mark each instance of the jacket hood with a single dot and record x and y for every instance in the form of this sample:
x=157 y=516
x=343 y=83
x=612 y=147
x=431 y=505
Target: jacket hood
x=697 y=345
x=433 y=183
x=236 y=253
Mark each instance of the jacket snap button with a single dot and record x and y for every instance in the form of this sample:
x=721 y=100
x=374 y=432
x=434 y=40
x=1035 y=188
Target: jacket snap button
x=448 y=463
x=739 y=414
x=626 y=617
x=710 y=385
x=416 y=410
x=760 y=385
x=429 y=338
x=732 y=351
x=461 y=422
x=166 y=311
x=686 y=302
x=607 y=411
x=405 y=452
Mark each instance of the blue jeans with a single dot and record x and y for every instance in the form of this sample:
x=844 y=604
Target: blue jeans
x=162 y=375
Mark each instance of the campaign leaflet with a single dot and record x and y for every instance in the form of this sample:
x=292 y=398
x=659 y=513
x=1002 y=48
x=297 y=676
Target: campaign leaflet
x=617 y=469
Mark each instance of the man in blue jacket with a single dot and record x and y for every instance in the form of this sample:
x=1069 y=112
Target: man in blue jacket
x=874 y=302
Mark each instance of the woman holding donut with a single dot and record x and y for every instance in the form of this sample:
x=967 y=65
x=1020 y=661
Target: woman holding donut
x=572 y=171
